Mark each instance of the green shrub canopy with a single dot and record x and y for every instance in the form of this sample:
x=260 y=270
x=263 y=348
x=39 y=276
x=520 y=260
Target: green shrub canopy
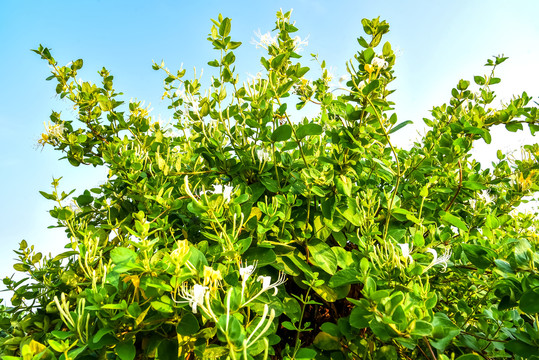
x=243 y=232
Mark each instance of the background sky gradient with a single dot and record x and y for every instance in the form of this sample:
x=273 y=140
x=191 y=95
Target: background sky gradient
x=438 y=44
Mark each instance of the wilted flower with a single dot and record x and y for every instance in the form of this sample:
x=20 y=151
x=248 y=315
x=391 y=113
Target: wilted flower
x=439 y=260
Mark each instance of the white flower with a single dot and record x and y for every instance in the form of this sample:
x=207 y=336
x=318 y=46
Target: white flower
x=264 y=40
x=226 y=191
x=406 y=249
x=439 y=260
x=54 y=131
x=195 y=296
x=344 y=78
x=247 y=270
x=299 y=44
x=266 y=282
x=486 y=197
x=263 y=155
x=380 y=63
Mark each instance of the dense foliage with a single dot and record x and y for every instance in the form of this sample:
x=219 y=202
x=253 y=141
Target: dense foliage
x=245 y=232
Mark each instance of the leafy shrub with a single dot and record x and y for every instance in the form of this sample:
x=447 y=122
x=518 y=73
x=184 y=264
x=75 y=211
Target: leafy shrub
x=243 y=233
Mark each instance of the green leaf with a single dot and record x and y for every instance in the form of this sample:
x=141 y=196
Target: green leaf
x=513 y=126
x=47 y=196
x=370 y=87
x=322 y=256
x=470 y=357
x=62 y=335
x=421 y=328
x=188 y=325
x=65 y=213
x=368 y=54
x=444 y=330
x=282 y=133
x=360 y=317
x=224 y=28
x=479 y=80
x=167 y=350
x=277 y=62
x=521 y=348
x=122 y=255
x=400 y=126
x=472 y=185
x=345 y=277
x=308 y=130
x=454 y=220
x=126 y=350
x=306 y=354
x=325 y=341
x=327 y=293
x=164 y=304
x=264 y=256
x=480 y=256
x=529 y=302
x=504 y=266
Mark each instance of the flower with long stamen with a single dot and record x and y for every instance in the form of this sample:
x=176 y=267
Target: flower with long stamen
x=195 y=296
x=267 y=285
x=245 y=272
x=266 y=282
x=442 y=260
x=406 y=249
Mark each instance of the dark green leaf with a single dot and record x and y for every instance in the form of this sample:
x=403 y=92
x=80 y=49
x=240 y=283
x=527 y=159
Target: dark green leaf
x=370 y=87
x=224 y=28
x=529 y=302
x=282 y=133
x=188 y=325
x=521 y=348
x=126 y=350
x=480 y=256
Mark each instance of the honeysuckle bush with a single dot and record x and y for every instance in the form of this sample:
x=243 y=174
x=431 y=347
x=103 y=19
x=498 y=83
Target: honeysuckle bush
x=246 y=230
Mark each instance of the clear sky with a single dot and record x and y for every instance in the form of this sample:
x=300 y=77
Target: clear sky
x=439 y=42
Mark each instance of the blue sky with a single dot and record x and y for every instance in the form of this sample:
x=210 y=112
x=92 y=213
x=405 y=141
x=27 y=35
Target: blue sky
x=438 y=42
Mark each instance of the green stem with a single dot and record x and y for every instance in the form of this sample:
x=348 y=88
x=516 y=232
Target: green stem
x=390 y=205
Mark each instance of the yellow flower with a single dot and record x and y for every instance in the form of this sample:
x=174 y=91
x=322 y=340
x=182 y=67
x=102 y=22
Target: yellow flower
x=178 y=255
x=369 y=68
x=212 y=277
x=525 y=183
